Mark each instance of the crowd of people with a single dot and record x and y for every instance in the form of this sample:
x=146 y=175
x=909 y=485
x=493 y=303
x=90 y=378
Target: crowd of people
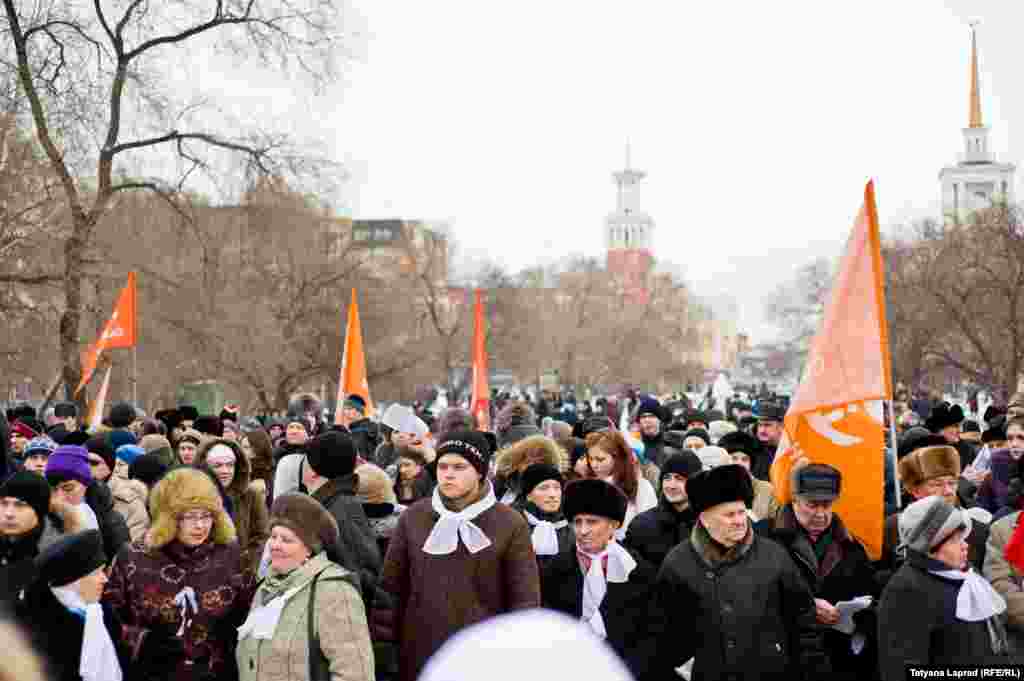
x=635 y=538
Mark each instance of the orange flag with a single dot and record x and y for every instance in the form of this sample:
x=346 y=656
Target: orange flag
x=480 y=402
x=119 y=332
x=352 y=380
x=95 y=419
x=836 y=416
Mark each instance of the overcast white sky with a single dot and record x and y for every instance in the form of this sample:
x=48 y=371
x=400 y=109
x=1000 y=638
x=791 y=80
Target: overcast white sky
x=758 y=123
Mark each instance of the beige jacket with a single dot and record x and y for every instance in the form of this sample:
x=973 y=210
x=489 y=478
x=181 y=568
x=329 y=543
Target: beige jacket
x=1005 y=578
x=130 y=501
x=340 y=623
x=765 y=504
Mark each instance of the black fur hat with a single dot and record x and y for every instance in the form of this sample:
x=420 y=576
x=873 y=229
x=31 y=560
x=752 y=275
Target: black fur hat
x=594 y=497
x=740 y=441
x=944 y=415
x=122 y=415
x=720 y=485
x=209 y=425
x=188 y=412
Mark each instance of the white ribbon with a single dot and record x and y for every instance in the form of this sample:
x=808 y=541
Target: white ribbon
x=262 y=620
x=977 y=600
x=98 y=660
x=451 y=527
x=595 y=586
x=545 y=534
x=183 y=599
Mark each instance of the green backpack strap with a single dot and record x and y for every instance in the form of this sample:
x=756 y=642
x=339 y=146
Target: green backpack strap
x=319 y=666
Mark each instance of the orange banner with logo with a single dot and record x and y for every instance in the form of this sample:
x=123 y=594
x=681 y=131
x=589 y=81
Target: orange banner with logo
x=480 y=402
x=352 y=379
x=119 y=332
x=836 y=416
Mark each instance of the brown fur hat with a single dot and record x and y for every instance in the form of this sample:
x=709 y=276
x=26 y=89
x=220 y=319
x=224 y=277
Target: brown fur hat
x=375 y=486
x=185 y=489
x=928 y=462
x=307 y=518
x=511 y=459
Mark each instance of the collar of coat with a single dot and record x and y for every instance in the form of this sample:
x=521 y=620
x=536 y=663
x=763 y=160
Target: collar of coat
x=713 y=553
x=792 y=535
x=346 y=485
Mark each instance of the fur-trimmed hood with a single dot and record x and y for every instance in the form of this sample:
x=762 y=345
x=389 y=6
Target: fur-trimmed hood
x=186 y=489
x=243 y=468
x=509 y=460
x=128 y=490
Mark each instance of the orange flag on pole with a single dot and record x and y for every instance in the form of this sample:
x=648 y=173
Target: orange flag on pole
x=352 y=380
x=119 y=332
x=99 y=404
x=836 y=416
x=480 y=402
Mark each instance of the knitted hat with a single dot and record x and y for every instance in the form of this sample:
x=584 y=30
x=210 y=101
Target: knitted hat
x=30 y=488
x=928 y=522
x=649 y=407
x=122 y=415
x=594 y=497
x=25 y=430
x=375 y=486
x=209 y=425
x=147 y=469
x=719 y=486
x=741 y=442
x=686 y=464
x=70 y=558
x=128 y=453
x=698 y=432
x=536 y=474
x=65 y=410
x=188 y=412
x=332 y=454
x=191 y=435
x=944 y=415
x=713 y=457
x=816 y=482
x=471 y=445
x=68 y=462
x=40 y=445
x=927 y=463
x=181 y=490
x=100 y=445
x=307 y=518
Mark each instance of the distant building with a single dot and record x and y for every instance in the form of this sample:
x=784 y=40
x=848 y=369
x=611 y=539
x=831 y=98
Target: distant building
x=629 y=236
x=977 y=180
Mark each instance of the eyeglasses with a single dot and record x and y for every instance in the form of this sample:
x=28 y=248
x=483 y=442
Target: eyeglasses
x=1015 y=436
x=196 y=518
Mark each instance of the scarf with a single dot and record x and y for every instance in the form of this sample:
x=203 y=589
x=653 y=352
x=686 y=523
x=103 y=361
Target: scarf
x=451 y=526
x=595 y=584
x=977 y=600
x=274 y=593
x=98 y=661
x=545 y=532
x=713 y=553
x=88 y=517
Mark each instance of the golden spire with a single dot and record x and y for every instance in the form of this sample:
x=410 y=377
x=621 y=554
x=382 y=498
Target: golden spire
x=975 y=96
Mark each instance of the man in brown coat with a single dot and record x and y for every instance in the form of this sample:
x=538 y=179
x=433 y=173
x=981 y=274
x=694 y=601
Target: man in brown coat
x=457 y=558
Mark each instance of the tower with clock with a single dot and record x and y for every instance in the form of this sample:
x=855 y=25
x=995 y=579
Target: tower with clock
x=629 y=236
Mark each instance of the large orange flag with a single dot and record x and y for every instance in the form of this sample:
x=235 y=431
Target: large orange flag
x=119 y=332
x=480 y=402
x=836 y=416
x=352 y=380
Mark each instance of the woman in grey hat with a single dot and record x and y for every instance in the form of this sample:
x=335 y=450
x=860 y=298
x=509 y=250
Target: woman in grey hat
x=936 y=610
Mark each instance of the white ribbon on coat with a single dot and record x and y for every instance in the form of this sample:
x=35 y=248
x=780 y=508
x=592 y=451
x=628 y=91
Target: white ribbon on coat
x=451 y=527
x=545 y=534
x=183 y=599
x=595 y=585
x=98 y=660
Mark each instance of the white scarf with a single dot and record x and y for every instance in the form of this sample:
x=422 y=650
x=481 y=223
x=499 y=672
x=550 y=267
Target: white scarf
x=977 y=600
x=545 y=534
x=595 y=585
x=451 y=527
x=98 y=660
x=88 y=517
x=262 y=620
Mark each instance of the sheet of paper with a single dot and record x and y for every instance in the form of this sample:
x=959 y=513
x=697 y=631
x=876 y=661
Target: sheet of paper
x=847 y=609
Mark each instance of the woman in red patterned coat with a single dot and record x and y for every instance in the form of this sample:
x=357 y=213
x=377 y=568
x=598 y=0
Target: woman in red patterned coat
x=180 y=592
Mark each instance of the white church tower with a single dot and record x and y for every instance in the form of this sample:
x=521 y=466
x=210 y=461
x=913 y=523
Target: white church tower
x=978 y=179
x=629 y=228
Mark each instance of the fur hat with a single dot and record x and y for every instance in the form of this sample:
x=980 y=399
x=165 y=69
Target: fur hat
x=698 y=432
x=332 y=454
x=122 y=415
x=70 y=558
x=536 y=474
x=944 y=415
x=916 y=438
x=157 y=443
x=191 y=435
x=928 y=462
x=188 y=412
x=719 y=486
x=816 y=482
x=740 y=441
x=375 y=486
x=307 y=518
x=147 y=469
x=594 y=497
x=209 y=425
x=185 y=489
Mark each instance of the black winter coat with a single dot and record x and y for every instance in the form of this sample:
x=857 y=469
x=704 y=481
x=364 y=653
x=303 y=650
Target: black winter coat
x=633 y=618
x=112 y=524
x=357 y=542
x=657 y=531
x=917 y=622
x=844 y=573
x=17 y=563
x=654 y=449
x=741 y=619
x=366 y=437
x=566 y=535
x=761 y=462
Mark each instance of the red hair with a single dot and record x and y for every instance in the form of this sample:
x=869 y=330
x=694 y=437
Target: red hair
x=626 y=473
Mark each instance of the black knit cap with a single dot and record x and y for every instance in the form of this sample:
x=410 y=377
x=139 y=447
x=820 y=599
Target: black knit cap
x=71 y=558
x=122 y=415
x=594 y=497
x=536 y=474
x=30 y=488
x=471 y=445
x=685 y=463
x=332 y=454
x=148 y=469
x=719 y=485
x=188 y=412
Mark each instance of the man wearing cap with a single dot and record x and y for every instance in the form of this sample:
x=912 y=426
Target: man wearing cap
x=650 y=416
x=289 y=455
x=456 y=558
x=657 y=531
x=744 y=450
x=769 y=432
x=24 y=505
x=21 y=433
x=608 y=587
x=928 y=471
x=833 y=564
x=66 y=414
x=734 y=602
x=365 y=433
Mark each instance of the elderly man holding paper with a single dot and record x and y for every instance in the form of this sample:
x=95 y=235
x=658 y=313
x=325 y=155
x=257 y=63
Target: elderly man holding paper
x=835 y=567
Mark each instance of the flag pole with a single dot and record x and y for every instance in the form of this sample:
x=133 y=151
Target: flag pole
x=895 y=462
x=135 y=376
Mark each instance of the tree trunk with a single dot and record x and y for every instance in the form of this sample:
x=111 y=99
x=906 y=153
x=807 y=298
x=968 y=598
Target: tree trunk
x=70 y=320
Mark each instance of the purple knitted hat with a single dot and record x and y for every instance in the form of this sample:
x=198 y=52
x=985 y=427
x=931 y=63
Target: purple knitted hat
x=68 y=462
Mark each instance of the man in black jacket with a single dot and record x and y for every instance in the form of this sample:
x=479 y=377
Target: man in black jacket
x=657 y=531
x=735 y=602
